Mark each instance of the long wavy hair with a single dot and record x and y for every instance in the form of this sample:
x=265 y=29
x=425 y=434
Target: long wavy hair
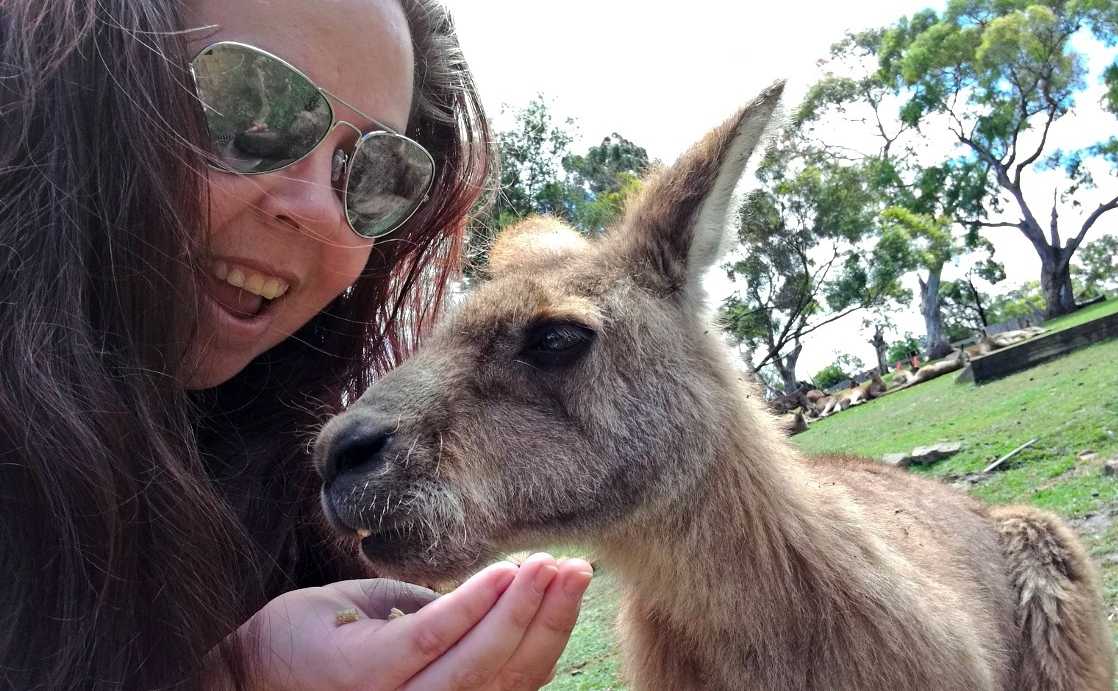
x=139 y=523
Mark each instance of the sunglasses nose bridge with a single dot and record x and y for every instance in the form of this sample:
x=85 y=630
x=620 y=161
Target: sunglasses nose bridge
x=356 y=130
x=303 y=193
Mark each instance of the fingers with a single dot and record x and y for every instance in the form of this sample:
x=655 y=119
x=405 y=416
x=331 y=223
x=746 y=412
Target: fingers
x=385 y=594
x=479 y=658
x=420 y=638
x=533 y=663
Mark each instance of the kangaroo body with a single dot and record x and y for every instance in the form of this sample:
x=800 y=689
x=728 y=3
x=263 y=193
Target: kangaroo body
x=581 y=394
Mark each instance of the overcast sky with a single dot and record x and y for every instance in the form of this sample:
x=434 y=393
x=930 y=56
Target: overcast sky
x=662 y=74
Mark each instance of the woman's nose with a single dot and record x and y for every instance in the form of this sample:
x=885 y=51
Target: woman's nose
x=303 y=194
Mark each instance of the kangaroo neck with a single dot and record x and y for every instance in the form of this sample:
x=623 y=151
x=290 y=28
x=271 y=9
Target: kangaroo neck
x=756 y=534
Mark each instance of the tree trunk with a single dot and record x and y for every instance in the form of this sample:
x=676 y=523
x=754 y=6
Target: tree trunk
x=879 y=346
x=936 y=345
x=786 y=365
x=1055 y=283
x=978 y=303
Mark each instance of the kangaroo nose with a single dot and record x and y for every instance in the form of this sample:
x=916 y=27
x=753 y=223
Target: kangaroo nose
x=357 y=448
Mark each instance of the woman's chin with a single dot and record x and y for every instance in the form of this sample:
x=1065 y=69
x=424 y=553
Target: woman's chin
x=213 y=372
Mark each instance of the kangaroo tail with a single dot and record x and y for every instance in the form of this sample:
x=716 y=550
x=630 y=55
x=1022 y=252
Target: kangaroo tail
x=1065 y=641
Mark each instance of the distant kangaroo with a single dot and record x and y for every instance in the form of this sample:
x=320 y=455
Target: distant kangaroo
x=581 y=395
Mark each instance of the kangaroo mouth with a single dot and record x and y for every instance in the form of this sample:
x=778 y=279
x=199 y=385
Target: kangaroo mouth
x=398 y=543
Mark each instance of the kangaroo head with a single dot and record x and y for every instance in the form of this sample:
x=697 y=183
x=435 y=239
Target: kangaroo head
x=577 y=385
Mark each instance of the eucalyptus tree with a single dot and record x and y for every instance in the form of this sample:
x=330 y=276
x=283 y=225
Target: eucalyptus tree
x=919 y=198
x=996 y=75
x=799 y=232
x=538 y=173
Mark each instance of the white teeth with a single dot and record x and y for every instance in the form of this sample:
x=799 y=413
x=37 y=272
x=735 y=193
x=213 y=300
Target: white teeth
x=268 y=287
x=363 y=533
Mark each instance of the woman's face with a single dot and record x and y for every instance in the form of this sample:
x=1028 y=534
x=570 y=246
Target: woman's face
x=288 y=229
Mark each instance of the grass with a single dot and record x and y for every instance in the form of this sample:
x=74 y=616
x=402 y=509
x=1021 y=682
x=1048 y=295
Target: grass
x=1069 y=405
x=1086 y=314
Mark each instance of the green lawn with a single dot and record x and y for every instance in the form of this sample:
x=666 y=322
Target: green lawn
x=1084 y=315
x=1069 y=405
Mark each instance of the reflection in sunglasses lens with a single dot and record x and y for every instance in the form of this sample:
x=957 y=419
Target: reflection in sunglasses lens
x=388 y=180
x=262 y=115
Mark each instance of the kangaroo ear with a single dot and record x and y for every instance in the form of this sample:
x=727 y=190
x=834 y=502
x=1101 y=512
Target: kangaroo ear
x=674 y=228
x=533 y=243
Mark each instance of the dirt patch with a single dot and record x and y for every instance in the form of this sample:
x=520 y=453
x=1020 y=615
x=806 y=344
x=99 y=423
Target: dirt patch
x=1096 y=523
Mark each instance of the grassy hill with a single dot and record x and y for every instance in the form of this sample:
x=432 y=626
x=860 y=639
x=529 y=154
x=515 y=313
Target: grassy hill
x=1070 y=406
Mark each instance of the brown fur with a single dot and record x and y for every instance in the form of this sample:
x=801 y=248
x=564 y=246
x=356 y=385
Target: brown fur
x=866 y=391
x=939 y=368
x=793 y=423
x=586 y=398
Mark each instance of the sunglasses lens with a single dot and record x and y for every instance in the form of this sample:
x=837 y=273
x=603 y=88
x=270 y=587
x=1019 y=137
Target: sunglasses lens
x=262 y=114
x=388 y=179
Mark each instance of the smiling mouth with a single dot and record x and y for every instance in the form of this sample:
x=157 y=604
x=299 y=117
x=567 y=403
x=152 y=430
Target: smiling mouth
x=244 y=293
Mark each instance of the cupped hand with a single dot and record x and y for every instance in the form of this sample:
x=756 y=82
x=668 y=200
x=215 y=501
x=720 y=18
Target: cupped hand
x=504 y=628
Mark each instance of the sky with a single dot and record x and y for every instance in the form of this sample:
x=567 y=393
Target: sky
x=662 y=74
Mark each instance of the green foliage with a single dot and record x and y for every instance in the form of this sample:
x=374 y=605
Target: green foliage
x=540 y=175
x=961 y=315
x=1019 y=303
x=1110 y=78
x=911 y=240
x=988 y=72
x=843 y=368
x=904 y=348
x=1098 y=264
x=799 y=261
x=607 y=167
x=829 y=376
x=531 y=157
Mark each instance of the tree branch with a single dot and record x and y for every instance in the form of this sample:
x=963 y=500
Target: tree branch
x=988 y=224
x=1039 y=149
x=832 y=318
x=1102 y=209
x=1054 y=222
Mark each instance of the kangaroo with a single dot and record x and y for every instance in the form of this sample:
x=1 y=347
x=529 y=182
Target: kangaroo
x=868 y=390
x=955 y=361
x=582 y=395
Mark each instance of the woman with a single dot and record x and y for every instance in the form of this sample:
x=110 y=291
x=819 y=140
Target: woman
x=219 y=221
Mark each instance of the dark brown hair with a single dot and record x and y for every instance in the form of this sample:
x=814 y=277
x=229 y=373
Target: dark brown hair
x=140 y=524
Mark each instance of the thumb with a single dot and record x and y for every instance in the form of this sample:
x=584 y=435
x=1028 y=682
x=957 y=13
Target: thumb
x=376 y=597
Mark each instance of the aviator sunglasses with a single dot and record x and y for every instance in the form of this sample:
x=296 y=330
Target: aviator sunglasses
x=264 y=115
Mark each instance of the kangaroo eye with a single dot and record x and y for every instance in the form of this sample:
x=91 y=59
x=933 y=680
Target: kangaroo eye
x=557 y=344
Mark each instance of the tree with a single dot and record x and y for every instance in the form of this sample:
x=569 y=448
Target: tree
x=879 y=322
x=797 y=232
x=1023 y=302
x=1098 y=262
x=964 y=309
x=991 y=71
x=540 y=175
x=845 y=367
x=904 y=348
x=829 y=376
x=601 y=180
x=917 y=241
x=918 y=202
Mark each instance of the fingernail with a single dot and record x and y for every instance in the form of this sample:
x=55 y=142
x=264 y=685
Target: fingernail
x=543 y=578
x=576 y=583
x=506 y=574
